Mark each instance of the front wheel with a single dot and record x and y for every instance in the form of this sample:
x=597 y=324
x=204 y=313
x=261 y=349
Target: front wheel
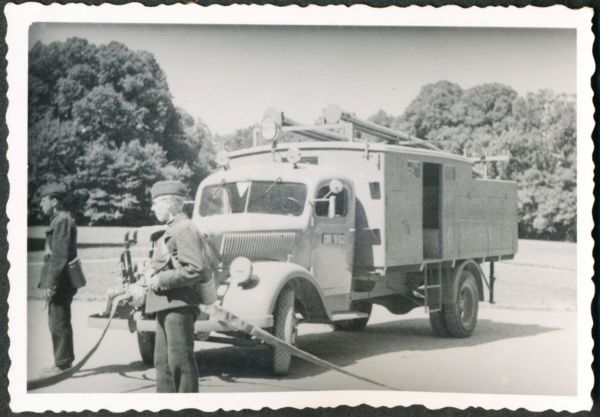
x=284 y=318
x=146 y=342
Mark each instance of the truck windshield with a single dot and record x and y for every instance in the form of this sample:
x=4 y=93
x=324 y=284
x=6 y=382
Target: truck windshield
x=267 y=197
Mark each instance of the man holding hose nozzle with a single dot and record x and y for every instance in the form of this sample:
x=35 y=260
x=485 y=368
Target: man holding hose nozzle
x=179 y=280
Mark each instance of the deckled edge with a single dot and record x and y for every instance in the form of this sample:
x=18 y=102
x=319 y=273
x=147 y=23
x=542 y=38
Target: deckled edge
x=4 y=192
x=360 y=410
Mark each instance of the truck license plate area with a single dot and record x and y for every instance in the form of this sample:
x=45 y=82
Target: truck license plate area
x=333 y=238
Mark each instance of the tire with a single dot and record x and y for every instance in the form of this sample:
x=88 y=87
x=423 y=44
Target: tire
x=355 y=325
x=284 y=320
x=438 y=323
x=461 y=315
x=146 y=346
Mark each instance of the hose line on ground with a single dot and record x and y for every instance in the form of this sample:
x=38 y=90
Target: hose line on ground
x=67 y=373
x=235 y=323
x=226 y=318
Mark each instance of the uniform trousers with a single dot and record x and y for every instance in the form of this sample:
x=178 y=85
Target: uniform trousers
x=59 y=322
x=174 y=360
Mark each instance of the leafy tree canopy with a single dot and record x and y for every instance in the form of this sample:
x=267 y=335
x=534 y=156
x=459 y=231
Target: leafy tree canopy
x=101 y=119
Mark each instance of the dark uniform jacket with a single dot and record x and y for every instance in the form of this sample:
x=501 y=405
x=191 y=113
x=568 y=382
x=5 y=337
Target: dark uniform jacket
x=61 y=247
x=178 y=262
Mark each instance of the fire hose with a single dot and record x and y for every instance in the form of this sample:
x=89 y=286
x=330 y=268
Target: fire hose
x=224 y=317
x=67 y=373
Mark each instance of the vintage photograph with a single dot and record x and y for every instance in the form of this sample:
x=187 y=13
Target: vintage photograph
x=265 y=207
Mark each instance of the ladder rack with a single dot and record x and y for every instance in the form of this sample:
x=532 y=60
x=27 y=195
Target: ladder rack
x=339 y=125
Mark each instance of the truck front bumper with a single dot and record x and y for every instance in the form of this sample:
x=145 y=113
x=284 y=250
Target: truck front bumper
x=203 y=324
x=137 y=322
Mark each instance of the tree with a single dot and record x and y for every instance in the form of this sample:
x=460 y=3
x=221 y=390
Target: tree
x=192 y=149
x=383 y=118
x=241 y=138
x=99 y=109
x=544 y=164
x=433 y=109
x=118 y=180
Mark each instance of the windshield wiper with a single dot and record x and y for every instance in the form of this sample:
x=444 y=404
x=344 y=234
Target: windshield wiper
x=268 y=190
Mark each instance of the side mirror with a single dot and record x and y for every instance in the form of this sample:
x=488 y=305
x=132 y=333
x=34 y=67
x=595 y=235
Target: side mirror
x=331 y=208
x=335 y=186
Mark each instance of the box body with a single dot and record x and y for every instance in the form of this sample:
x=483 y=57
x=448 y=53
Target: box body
x=414 y=205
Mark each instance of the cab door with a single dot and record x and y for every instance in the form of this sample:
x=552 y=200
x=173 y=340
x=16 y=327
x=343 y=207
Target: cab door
x=332 y=245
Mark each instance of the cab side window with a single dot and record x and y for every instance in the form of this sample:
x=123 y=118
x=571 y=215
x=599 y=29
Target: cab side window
x=341 y=202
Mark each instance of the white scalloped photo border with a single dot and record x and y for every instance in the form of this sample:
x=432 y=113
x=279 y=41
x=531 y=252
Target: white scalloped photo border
x=20 y=17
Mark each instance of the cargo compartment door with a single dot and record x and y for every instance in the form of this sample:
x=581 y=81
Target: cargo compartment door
x=403 y=210
x=449 y=216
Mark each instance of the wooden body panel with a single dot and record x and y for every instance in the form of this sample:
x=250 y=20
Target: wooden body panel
x=486 y=220
x=403 y=211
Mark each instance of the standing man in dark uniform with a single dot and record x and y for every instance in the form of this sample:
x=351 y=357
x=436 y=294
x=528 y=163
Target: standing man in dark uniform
x=179 y=281
x=61 y=247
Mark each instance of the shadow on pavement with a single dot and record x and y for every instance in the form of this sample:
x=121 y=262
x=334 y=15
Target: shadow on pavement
x=346 y=348
x=121 y=369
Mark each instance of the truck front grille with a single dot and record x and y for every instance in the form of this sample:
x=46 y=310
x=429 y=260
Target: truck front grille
x=261 y=245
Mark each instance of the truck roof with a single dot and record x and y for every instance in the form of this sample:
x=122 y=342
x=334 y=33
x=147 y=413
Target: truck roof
x=358 y=146
x=284 y=170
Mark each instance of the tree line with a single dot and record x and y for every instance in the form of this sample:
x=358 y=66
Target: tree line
x=102 y=119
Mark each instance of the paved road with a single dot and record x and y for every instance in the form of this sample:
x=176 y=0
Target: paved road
x=511 y=352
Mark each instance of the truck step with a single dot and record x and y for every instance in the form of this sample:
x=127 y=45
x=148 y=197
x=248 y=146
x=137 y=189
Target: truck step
x=349 y=315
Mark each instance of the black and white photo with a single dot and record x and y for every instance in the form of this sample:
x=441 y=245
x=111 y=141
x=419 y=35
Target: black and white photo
x=260 y=207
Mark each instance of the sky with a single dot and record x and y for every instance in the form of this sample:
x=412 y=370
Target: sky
x=229 y=75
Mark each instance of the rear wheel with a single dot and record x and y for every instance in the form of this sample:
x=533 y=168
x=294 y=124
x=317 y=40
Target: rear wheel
x=458 y=319
x=355 y=325
x=461 y=315
x=284 y=320
x=146 y=342
x=438 y=323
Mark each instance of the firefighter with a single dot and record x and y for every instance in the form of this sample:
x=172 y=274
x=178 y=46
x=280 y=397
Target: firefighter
x=61 y=247
x=178 y=281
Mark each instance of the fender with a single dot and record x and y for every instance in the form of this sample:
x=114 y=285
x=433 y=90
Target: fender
x=259 y=300
x=471 y=266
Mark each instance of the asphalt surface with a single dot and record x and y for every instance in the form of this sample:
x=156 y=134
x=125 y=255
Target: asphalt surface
x=511 y=352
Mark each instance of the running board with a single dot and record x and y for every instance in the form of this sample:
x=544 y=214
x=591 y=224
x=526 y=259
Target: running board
x=349 y=315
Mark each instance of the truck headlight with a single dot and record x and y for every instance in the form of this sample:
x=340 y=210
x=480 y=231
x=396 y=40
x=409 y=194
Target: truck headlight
x=240 y=269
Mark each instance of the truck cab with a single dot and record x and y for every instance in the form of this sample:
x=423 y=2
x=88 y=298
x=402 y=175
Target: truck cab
x=300 y=214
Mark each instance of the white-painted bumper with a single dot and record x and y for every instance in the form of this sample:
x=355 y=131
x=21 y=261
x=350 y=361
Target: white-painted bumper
x=141 y=324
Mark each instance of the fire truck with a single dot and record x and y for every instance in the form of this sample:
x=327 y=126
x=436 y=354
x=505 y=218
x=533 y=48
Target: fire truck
x=320 y=230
